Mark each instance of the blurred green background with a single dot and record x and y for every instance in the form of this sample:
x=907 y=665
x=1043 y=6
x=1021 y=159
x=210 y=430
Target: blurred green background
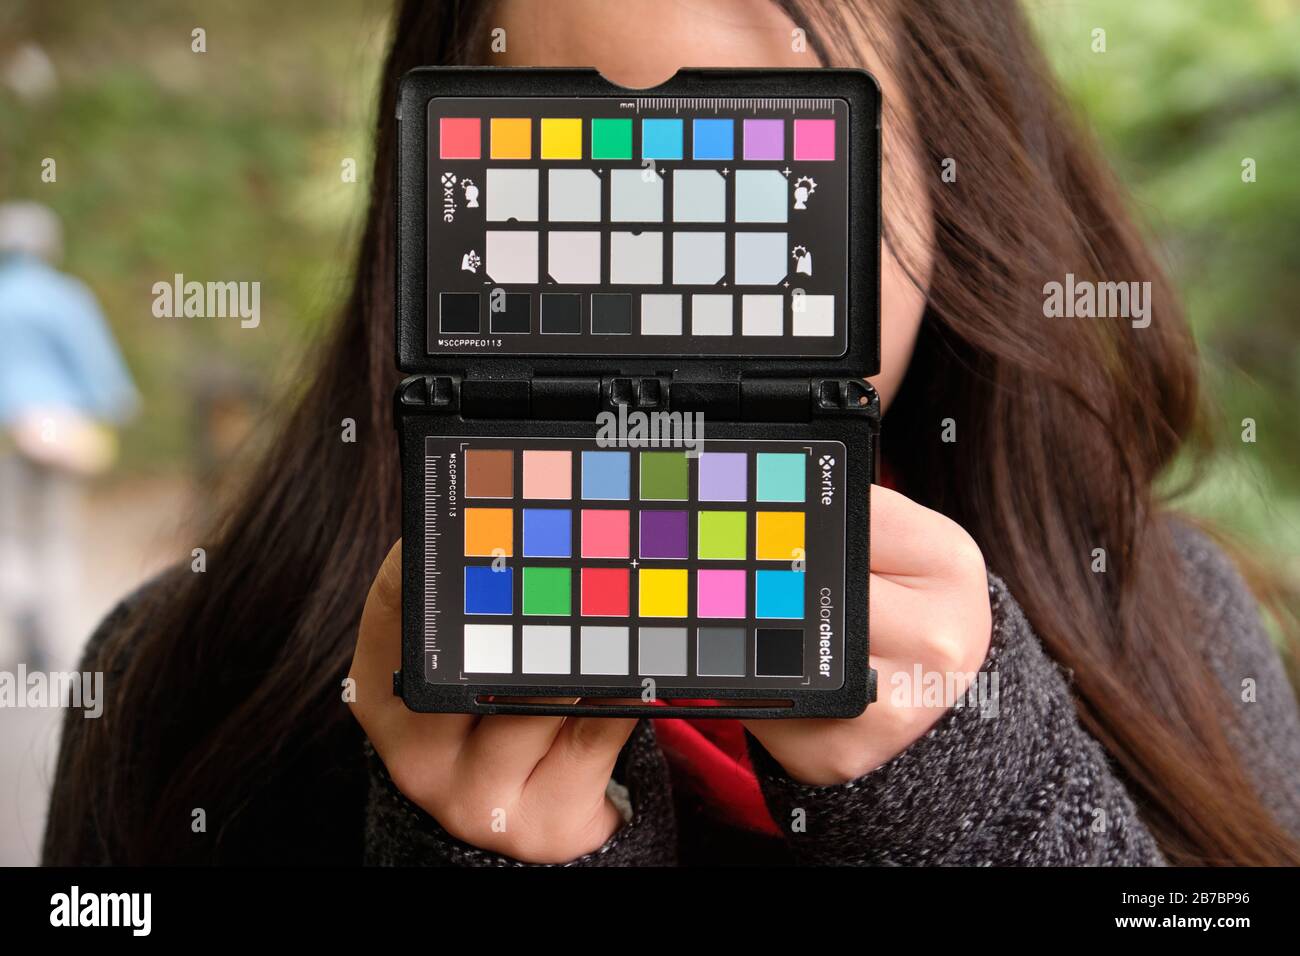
x=1184 y=93
x=227 y=165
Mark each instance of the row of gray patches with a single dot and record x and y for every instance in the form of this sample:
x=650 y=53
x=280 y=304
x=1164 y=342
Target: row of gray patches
x=637 y=258
x=636 y=195
x=605 y=651
x=611 y=313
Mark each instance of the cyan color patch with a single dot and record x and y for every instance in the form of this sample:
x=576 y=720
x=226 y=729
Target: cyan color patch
x=781 y=476
x=661 y=139
x=779 y=593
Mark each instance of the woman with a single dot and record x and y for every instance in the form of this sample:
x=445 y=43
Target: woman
x=1121 y=734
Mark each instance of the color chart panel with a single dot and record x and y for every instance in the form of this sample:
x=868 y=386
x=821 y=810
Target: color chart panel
x=557 y=562
x=653 y=226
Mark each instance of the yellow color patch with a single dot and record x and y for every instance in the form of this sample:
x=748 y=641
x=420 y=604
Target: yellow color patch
x=662 y=592
x=489 y=530
x=512 y=138
x=561 y=139
x=780 y=535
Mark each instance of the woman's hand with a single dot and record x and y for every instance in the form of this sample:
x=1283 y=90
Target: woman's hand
x=531 y=788
x=929 y=607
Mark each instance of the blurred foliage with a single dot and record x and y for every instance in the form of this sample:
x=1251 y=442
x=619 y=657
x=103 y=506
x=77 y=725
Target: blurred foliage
x=226 y=165
x=1185 y=91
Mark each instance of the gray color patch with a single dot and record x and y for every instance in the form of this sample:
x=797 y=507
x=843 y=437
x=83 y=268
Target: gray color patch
x=573 y=195
x=699 y=258
x=546 y=649
x=634 y=197
x=761 y=258
x=720 y=652
x=511 y=257
x=636 y=258
x=761 y=196
x=511 y=194
x=699 y=195
x=661 y=314
x=604 y=650
x=573 y=257
x=661 y=651
x=711 y=314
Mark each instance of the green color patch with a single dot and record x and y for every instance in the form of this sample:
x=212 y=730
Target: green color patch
x=664 y=476
x=547 y=591
x=611 y=139
x=722 y=535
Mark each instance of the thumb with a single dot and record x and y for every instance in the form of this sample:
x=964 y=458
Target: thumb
x=379 y=638
x=385 y=595
x=782 y=737
x=582 y=758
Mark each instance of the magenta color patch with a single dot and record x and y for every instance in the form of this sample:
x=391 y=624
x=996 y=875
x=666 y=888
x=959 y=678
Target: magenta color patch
x=814 y=139
x=720 y=594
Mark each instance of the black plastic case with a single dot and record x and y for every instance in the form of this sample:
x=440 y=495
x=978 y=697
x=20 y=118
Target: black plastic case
x=550 y=396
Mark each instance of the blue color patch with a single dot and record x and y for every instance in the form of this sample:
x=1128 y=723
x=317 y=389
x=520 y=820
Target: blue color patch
x=488 y=591
x=713 y=139
x=548 y=532
x=781 y=476
x=661 y=139
x=605 y=475
x=779 y=593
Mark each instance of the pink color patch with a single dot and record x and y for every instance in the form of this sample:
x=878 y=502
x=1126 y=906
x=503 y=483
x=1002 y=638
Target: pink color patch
x=548 y=474
x=720 y=594
x=814 y=139
x=604 y=533
x=458 y=137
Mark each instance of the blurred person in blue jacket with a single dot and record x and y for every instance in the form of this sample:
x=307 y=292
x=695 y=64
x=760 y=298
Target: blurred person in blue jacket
x=63 y=388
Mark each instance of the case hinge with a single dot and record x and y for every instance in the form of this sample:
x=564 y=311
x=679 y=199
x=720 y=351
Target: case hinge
x=582 y=399
x=574 y=399
x=748 y=399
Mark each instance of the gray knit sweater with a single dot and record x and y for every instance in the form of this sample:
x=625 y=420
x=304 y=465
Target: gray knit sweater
x=1028 y=786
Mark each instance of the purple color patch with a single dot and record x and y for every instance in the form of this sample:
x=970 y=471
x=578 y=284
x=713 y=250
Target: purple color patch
x=721 y=594
x=723 y=476
x=764 y=139
x=663 y=534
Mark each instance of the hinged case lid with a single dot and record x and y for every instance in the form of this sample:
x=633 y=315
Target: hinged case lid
x=515 y=153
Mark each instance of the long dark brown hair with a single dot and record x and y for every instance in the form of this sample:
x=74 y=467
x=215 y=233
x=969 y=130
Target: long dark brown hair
x=227 y=683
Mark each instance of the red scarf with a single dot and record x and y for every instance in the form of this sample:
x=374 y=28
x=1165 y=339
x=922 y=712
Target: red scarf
x=712 y=757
